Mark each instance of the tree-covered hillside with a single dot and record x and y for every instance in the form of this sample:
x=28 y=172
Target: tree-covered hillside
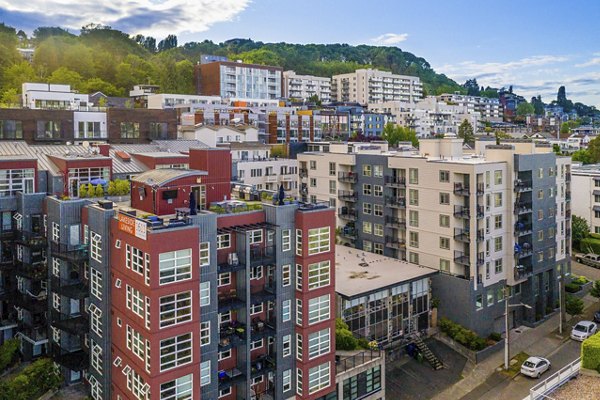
x=107 y=60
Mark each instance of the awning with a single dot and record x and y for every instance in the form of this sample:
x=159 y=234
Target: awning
x=596 y=192
x=596 y=208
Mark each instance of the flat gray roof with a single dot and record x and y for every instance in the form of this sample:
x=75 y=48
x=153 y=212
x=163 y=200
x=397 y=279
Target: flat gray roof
x=358 y=272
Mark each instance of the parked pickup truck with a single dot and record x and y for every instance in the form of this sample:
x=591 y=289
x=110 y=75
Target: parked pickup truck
x=593 y=260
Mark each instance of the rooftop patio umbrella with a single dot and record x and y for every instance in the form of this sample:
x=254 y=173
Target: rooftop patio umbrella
x=98 y=181
x=193 y=205
x=281 y=194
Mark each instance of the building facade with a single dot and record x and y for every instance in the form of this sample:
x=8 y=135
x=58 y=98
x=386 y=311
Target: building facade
x=495 y=219
x=367 y=86
x=586 y=199
x=304 y=86
x=489 y=109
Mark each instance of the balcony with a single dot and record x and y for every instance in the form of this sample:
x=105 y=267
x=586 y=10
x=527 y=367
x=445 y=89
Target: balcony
x=522 y=186
x=522 y=272
x=568 y=196
x=347 y=214
x=480 y=212
x=462 y=258
x=229 y=262
x=262 y=294
x=72 y=288
x=480 y=235
x=461 y=189
x=394 y=202
x=231 y=301
x=396 y=223
x=262 y=328
x=480 y=189
x=347 y=195
x=231 y=335
x=347 y=177
x=523 y=250
x=523 y=208
x=462 y=235
x=393 y=242
x=35 y=333
x=462 y=212
x=480 y=259
x=34 y=271
x=33 y=240
x=30 y=303
x=262 y=365
x=261 y=255
x=522 y=229
x=7 y=234
x=73 y=253
x=76 y=324
x=228 y=378
x=395 y=181
x=75 y=360
x=349 y=232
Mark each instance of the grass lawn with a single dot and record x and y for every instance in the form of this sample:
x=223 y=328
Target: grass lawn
x=515 y=368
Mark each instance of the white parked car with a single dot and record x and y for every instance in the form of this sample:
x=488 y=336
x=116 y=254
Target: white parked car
x=583 y=330
x=535 y=366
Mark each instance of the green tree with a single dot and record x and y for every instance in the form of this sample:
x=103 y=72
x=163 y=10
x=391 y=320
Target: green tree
x=98 y=85
x=390 y=134
x=594 y=149
x=556 y=149
x=112 y=188
x=525 y=109
x=90 y=190
x=122 y=187
x=582 y=156
x=17 y=74
x=574 y=305
x=170 y=42
x=465 y=132
x=9 y=351
x=344 y=339
x=262 y=57
x=580 y=230
x=595 y=289
x=83 y=192
x=184 y=71
x=10 y=98
x=99 y=191
x=63 y=75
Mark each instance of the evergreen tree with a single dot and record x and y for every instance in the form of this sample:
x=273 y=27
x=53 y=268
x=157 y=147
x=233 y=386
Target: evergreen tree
x=465 y=132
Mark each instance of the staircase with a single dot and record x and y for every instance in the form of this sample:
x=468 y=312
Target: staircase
x=435 y=362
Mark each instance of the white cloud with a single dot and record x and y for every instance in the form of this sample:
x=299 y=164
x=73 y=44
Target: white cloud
x=149 y=17
x=471 y=69
x=593 y=61
x=388 y=39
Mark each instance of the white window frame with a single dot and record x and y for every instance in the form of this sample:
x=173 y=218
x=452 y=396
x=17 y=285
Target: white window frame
x=319 y=274
x=224 y=279
x=286 y=310
x=204 y=254
x=319 y=343
x=319 y=377
x=205 y=373
x=204 y=293
x=319 y=240
x=224 y=241
x=255 y=236
x=286 y=240
x=181 y=388
x=176 y=351
x=181 y=268
x=96 y=283
x=319 y=309
x=135 y=301
x=95 y=246
x=204 y=333
x=178 y=317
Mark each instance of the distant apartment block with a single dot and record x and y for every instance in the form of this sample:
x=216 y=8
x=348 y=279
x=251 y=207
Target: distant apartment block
x=496 y=218
x=586 y=199
x=304 y=86
x=489 y=109
x=238 y=80
x=50 y=96
x=173 y=100
x=366 y=86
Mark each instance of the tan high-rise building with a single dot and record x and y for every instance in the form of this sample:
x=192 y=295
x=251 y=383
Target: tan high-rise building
x=367 y=86
x=496 y=218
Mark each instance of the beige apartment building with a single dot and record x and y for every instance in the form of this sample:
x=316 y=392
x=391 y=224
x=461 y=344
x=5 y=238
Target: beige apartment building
x=304 y=86
x=367 y=86
x=495 y=218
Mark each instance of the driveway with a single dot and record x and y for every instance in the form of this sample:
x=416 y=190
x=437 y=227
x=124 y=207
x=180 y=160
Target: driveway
x=407 y=379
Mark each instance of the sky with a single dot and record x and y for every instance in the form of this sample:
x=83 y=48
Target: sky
x=533 y=45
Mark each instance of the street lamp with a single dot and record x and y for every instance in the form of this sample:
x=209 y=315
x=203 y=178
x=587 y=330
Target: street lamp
x=506 y=328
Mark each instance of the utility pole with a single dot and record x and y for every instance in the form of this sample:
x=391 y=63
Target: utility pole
x=506 y=330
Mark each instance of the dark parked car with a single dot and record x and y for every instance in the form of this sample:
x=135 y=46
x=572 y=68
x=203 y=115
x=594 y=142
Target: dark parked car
x=597 y=316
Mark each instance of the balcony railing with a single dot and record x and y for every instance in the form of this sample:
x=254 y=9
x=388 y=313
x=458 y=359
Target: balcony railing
x=356 y=360
x=34 y=240
x=303 y=172
x=347 y=177
x=349 y=233
x=480 y=212
x=522 y=186
x=523 y=208
x=232 y=335
x=7 y=234
x=72 y=288
x=262 y=365
x=395 y=181
x=480 y=189
x=76 y=324
x=523 y=272
x=261 y=255
x=230 y=377
x=75 y=360
x=71 y=253
x=230 y=302
x=347 y=214
x=262 y=328
x=522 y=229
x=262 y=293
x=395 y=202
x=461 y=189
x=35 y=271
x=462 y=258
x=229 y=262
x=394 y=242
x=462 y=212
x=462 y=235
x=393 y=222
x=30 y=303
x=347 y=195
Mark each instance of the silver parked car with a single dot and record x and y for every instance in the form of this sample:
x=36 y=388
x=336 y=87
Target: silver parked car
x=583 y=330
x=535 y=366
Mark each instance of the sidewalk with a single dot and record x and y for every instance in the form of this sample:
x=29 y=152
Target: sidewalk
x=541 y=341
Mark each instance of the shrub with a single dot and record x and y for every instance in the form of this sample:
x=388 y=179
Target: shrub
x=83 y=191
x=99 y=191
x=595 y=290
x=590 y=244
x=574 y=305
x=90 y=190
x=8 y=353
x=112 y=188
x=572 y=287
x=462 y=335
x=344 y=339
x=580 y=280
x=590 y=352
x=35 y=379
x=495 y=336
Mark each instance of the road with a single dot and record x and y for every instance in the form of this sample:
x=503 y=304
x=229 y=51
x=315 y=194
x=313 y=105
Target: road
x=588 y=272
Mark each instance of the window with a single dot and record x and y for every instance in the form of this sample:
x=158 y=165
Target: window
x=224 y=317
x=223 y=241
x=498 y=177
x=135 y=301
x=540 y=215
x=224 y=392
x=95 y=388
x=498 y=266
x=318 y=274
x=95 y=246
x=136 y=384
x=413 y=197
x=298 y=312
x=318 y=343
x=256 y=236
x=299 y=381
x=204 y=293
x=540 y=235
x=318 y=309
x=298 y=346
x=286 y=240
x=413 y=257
x=287 y=380
x=96 y=356
x=55 y=232
x=332 y=169
x=445 y=243
x=298 y=242
x=298 y=277
x=223 y=355
x=444 y=265
x=205 y=373
x=540 y=256
x=413 y=176
x=175 y=351
x=175 y=266
x=135 y=342
x=479 y=302
x=286 y=310
x=367 y=208
x=540 y=194
x=318 y=240
x=366 y=189
x=366 y=170
x=498 y=243
x=56 y=267
x=497 y=199
x=178 y=389
x=318 y=378
x=413 y=218
x=256 y=309
x=445 y=176
x=414 y=239
x=286 y=275
x=130 y=130
x=11 y=129
x=367 y=227
x=49 y=129
x=313 y=182
x=96 y=319
x=540 y=173
x=96 y=283
x=224 y=279
x=204 y=254
x=498 y=221
x=444 y=221
x=257 y=344
x=499 y=294
x=16 y=180
x=378 y=210
x=204 y=333
x=378 y=230
x=377 y=190
x=256 y=272
x=445 y=198
x=135 y=259
x=175 y=309
x=287 y=345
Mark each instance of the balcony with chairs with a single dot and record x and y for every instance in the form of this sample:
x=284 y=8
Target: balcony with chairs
x=347 y=177
x=347 y=195
x=229 y=262
x=33 y=240
x=523 y=271
x=522 y=228
x=523 y=207
x=262 y=365
x=232 y=334
x=395 y=181
x=461 y=189
x=523 y=186
x=347 y=214
x=262 y=328
x=395 y=202
x=230 y=377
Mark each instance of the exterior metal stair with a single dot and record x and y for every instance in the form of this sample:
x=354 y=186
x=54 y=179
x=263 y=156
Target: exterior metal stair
x=431 y=358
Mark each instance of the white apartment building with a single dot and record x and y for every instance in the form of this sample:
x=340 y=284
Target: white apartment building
x=212 y=135
x=171 y=100
x=304 y=86
x=586 y=199
x=367 y=86
x=489 y=109
x=52 y=96
x=268 y=174
x=494 y=219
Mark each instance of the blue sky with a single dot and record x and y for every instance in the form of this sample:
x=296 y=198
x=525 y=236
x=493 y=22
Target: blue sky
x=534 y=45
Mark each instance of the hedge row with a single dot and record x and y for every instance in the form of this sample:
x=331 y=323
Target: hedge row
x=590 y=353
x=462 y=335
x=590 y=244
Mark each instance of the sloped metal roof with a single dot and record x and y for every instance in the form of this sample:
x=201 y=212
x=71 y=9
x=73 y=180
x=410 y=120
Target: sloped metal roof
x=162 y=176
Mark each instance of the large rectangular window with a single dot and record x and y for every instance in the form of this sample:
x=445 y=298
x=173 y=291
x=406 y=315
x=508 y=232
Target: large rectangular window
x=16 y=180
x=135 y=259
x=204 y=373
x=318 y=309
x=175 y=309
x=135 y=342
x=318 y=240
x=175 y=351
x=49 y=130
x=11 y=129
x=130 y=130
x=135 y=301
x=96 y=283
x=318 y=378
x=178 y=389
x=319 y=274
x=175 y=266
x=319 y=343
x=95 y=246
x=88 y=130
